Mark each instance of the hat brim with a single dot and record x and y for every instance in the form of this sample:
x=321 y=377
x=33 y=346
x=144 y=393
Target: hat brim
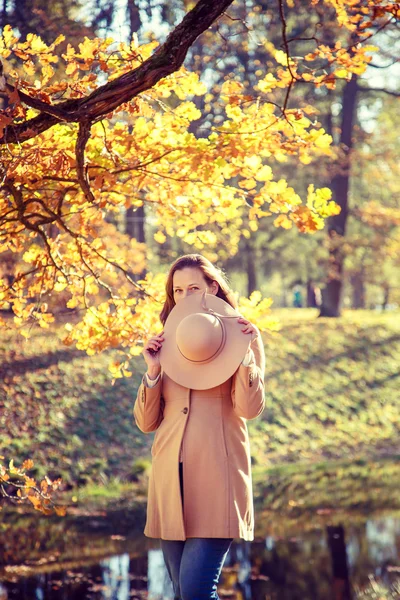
x=208 y=375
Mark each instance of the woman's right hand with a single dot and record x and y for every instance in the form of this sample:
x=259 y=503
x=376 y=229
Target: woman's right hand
x=151 y=354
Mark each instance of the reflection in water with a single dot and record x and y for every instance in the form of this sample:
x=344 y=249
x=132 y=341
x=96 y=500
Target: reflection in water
x=116 y=577
x=322 y=564
x=159 y=583
x=340 y=568
x=381 y=537
x=239 y=558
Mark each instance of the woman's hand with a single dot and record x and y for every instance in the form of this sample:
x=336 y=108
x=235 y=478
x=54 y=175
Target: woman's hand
x=151 y=355
x=248 y=327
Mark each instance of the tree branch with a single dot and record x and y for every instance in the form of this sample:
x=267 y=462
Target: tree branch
x=287 y=50
x=166 y=60
x=362 y=88
x=81 y=168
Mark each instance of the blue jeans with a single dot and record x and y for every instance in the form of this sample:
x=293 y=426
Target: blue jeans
x=194 y=566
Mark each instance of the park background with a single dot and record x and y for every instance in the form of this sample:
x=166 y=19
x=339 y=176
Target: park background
x=322 y=284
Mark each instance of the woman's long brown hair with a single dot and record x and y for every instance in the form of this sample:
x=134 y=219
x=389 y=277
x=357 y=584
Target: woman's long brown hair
x=210 y=274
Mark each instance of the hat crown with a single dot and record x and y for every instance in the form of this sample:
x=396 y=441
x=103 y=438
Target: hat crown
x=204 y=343
x=200 y=337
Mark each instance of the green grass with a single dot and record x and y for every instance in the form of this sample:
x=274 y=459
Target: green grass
x=62 y=409
x=308 y=494
x=332 y=387
x=332 y=393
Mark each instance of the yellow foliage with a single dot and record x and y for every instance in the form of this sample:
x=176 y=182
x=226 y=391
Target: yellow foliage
x=160 y=237
x=200 y=189
x=268 y=83
x=258 y=310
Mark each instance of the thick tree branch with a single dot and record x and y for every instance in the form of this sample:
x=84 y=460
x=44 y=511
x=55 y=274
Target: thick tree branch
x=375 y=66
x=166 y=60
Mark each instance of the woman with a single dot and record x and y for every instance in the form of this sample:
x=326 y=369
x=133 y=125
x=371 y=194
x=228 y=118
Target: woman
x=200 y=507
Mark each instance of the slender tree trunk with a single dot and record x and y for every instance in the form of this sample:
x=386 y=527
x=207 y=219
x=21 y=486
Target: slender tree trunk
x=133 y=15
x=311 y=298
x=331 y=294
x=250 y=268
x=3 y=15
x=134 y=227
x=135 y=217
x=284 y=302
x=386 y=294
x=358 y=284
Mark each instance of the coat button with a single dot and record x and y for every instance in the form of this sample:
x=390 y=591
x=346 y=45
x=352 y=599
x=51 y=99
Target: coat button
x=185 y=410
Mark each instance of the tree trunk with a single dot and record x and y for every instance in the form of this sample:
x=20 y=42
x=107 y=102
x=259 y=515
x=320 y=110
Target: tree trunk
x=3 y=16
x=331 y=294
x=284 y=302
x=250 y=268
x=134 y=227
x=135 y=217
x=311 y=298
x=134 y=16
x=358 y=285
x=386 y=294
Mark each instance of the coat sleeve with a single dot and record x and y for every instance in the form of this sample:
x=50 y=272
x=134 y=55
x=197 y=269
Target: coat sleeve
x=148 y=407
x=248 y=396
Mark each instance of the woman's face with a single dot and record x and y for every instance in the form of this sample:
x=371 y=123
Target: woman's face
x=191 y=281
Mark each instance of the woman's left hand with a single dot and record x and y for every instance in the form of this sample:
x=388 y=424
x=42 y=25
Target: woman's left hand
x=247 y=326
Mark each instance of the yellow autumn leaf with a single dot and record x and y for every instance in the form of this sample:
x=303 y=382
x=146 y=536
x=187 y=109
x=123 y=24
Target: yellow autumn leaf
x=72 y=68
x=37 y=503
x=264 y=174
x=29 y=67
x=247 y=184
x=323 y=140
x=47 y=73
x=188 y=110
x=37 y=45
x=268 y=83
x=61 y=511
x=283 y=221
x=160 y=237
x=231 y=87
x=253 y=161
x=342 y=73
x=88 y=48
x=282 y=58
x=234 y=112
x=60 y=285
x=7 y=39
x=29 y=482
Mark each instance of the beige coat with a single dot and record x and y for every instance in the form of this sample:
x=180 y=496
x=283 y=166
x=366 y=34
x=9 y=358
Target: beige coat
x=209 y=428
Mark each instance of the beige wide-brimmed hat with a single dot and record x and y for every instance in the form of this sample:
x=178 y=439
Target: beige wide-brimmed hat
x=203 y=342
